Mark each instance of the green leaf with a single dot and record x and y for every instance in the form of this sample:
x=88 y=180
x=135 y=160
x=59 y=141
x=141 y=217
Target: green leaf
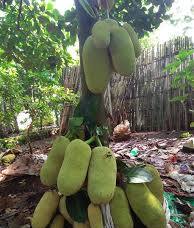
x=192 y=124
x=179 y=98
x=87 y=7
x=75 y=122
x=49 y=6
x=101 y=130
x=136 y=174
x=77 y=206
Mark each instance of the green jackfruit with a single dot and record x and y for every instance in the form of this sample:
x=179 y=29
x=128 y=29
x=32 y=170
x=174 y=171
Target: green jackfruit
x=74 y=168
x=102 y=175
x=95 y=216
x=156 y=185
x=120 y=211
x=101 y=34
x=112 y=23
x=45 y=210
x=81 y=225
x=51 y=167
x=134 y=38
x=63 y=210
x=146 y=206
x=97 y=67
x=122 y=51
x=58 y=222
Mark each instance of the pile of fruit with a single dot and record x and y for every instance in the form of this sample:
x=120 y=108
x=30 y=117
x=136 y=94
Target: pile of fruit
x=72 y=166
x=77 y=165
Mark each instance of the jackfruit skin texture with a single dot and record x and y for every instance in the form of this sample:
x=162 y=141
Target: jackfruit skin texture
x=120 y=211
x=97 y=67
x=146 y=206
x=51 y=167
x=101 y=34
x=134 y=38
x=63 y=210
x=122 y=51
x=45 y=210
x=156 y=185
x=112 y=23
x=81 y=225
x=95 y=216
x=74 y=168
x=101 y=175
x=58 y=222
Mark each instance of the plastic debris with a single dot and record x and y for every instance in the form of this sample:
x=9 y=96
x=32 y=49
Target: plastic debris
x=134 y=152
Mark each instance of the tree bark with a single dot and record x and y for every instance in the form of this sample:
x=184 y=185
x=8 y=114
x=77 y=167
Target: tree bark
x=85 y=24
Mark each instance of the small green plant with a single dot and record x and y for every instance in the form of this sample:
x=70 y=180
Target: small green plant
x=183 y=79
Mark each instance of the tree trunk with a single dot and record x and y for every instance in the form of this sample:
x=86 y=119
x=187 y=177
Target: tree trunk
x=85 y=24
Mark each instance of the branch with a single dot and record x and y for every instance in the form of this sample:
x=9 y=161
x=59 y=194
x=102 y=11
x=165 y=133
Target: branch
x=19 y=14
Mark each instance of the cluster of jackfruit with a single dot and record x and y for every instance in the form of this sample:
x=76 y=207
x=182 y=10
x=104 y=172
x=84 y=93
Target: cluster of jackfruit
x=142 y=200
x=110 y=48
x=69 y=167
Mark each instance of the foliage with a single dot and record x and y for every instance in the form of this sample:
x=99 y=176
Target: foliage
x=33 y=49
x=182 y=78
x=34 y=36
x=144 y=16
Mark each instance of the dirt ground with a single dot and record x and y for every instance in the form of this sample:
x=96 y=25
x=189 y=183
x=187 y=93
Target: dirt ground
x=21 y=189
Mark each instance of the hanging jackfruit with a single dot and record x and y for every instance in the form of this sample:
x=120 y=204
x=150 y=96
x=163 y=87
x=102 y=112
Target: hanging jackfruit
x=63 y=210
x=45 y=210
x=146 y=206
x=51 y=167
x=112 y=23
x=74 y=168
x=101 y=34
x=95 y=216
x=97 y=67
x=134 y=38
x=120 y=211
x=58 y=222
x=122 y=51
x=156 y=185
x=101 y=175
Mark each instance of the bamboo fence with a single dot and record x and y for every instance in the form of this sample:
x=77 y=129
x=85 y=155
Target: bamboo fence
x=144 y=97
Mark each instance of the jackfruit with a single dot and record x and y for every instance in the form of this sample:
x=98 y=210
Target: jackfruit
x=95 y=216
x=58 y=222
x=134 y=38
x=122 y=51
x=74 y=168
x=97 y=67
x=45 y=210
x=81 y=225
x=101 y=34
x=156 y=185
x=63 y=210
x=146 y=206
x=101 y=175
x=120 y=211
x=51 y=167
x=112 y=23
